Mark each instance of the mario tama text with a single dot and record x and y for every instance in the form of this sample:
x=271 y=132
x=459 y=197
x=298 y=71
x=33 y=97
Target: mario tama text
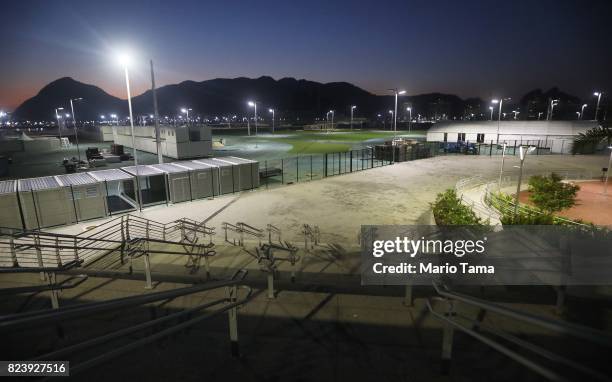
x=470 y=255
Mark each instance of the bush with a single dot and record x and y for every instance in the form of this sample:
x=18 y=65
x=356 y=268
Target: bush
x=550 y=194
x=448 y=210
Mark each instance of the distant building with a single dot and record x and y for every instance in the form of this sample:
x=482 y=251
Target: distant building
x=181 y=142
x=556 y=135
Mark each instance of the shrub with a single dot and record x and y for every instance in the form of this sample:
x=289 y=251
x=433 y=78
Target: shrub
x=448 y=210
x=550 y=194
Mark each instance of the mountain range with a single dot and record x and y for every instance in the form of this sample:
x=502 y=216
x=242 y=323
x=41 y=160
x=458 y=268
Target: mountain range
x=291 y=98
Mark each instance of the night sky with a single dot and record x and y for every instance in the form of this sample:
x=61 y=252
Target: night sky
x=470 y=48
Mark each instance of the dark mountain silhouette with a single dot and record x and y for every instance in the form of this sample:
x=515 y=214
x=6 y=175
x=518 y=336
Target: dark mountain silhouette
x=291 y=98
x=58 y=93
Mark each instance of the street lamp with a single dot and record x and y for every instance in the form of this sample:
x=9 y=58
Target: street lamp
x=124 y=60
x=76 y=134
x=608 y=172
x=491 y=108
x=499 y=114
x=253 y=104
x=553 y=103
x=332 y=119
x=598 y=95
x=397 y=93
x=272 y=111
x=57 y=117
x=523 y=151
x=582 y=110
x=501 y=170
x=352 y=110
x=516 y=113
x=409 y=109
x=186 y=110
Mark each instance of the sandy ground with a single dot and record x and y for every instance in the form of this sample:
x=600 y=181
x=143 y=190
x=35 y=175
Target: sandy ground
x=397 y=194
x=591 y=204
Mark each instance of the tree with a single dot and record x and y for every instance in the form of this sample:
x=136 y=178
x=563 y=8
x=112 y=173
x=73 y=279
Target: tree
x=587 y=142
x=551 y=194
x=448 y=210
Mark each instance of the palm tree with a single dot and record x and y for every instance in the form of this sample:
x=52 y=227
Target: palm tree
x=587 y=142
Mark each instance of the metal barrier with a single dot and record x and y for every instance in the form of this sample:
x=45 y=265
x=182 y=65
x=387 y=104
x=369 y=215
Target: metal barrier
x=173 y=323
x=453 y=321
x=39 y=249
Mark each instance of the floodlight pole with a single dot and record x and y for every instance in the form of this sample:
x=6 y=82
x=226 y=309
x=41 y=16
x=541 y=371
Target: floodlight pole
x=129 y=99
x=352 y=109
x=160 y=157
x=255 y=107
x=598 y=94
x=57 y=117
x=501 y=101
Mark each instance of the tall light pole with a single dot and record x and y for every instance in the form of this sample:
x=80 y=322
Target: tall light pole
x=499 y=114
x=160 y=156
x=352 y=110
x=523 y=151
x=553 y=103
x=332 y=118
x=409 y=118
x=186 y=110
x=608 y=172
x=116 y=118
x=124 y=60
x=272 y=111
x=501 y=169
x=397 y=93
x=491 y=108
x=598 y=95
x=253 y=104
x=57 y=117
x=582 y=110
x=76 y=134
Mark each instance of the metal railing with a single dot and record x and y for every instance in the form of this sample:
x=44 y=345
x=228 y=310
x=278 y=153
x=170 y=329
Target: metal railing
x=163 y=326
x=48 y=250
x=455 y=321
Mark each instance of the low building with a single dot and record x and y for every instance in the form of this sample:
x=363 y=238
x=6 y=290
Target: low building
x=558 y=136
x=182 y=142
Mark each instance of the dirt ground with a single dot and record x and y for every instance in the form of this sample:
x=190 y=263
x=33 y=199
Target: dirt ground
x=592 y=205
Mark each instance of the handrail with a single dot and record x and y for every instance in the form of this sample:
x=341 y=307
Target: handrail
x=562 y=327
x=19 y=320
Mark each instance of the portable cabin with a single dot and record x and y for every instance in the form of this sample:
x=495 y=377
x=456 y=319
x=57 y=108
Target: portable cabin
x=248 y=172
x=204 y=179
x=88 y=195
x=45 y=202
x=10 y=218
x=151 y=182
x=178 y=181
x=119 y=188
x=227 y=175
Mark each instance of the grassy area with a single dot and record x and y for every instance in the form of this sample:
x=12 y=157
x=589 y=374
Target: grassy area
x=317 y=142
x=313 y=147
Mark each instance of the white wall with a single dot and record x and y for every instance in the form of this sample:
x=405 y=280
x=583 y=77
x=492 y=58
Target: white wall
x=175 y=141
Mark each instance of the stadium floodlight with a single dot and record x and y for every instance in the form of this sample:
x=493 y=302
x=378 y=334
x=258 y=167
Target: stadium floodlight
x=491 y=108
x=352 y=110
x=409 y=109
x=58 y=117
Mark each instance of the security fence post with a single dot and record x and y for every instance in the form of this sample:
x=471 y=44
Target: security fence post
x=351 y=159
